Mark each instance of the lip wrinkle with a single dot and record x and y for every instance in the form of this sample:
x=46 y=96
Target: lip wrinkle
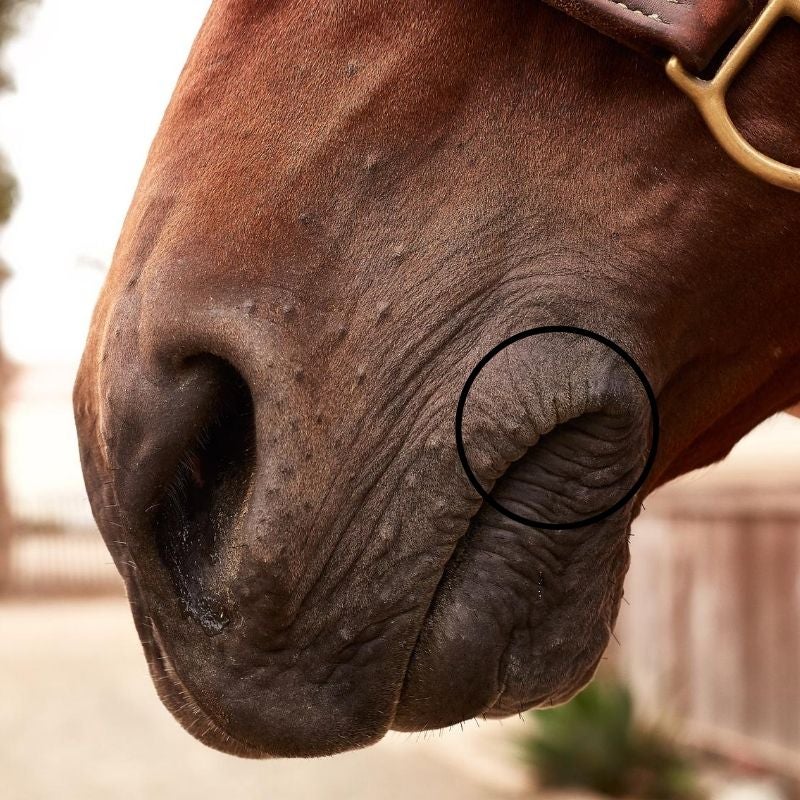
x=460 y=544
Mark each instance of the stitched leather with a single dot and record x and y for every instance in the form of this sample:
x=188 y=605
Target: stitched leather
x=693 y=30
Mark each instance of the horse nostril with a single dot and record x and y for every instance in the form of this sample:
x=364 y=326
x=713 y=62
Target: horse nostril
x=199 y=508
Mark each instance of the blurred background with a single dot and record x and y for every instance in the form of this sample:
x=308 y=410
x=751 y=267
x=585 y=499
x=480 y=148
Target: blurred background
x=699 y=694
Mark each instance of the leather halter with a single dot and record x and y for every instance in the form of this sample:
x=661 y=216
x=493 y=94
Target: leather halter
x=690 y=33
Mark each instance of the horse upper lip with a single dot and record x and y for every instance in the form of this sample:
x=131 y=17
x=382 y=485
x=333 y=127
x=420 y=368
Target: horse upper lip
x=172 y=690
x=187 y=705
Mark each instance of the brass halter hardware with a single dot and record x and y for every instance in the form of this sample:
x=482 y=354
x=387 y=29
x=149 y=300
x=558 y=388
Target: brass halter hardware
x=709 y=97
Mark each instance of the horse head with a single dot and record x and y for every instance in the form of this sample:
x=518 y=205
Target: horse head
x=347 y=206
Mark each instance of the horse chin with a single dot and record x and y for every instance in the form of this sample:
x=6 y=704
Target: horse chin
x=521 y=619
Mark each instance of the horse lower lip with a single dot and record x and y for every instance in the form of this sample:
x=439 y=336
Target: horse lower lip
x=487 y=646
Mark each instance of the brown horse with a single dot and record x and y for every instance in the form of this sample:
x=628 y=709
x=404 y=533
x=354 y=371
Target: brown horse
x=346 y=207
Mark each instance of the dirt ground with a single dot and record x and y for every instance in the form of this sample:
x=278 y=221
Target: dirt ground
x=79 y=719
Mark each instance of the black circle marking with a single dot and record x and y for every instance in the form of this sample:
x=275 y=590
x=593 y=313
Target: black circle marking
x=654 y=418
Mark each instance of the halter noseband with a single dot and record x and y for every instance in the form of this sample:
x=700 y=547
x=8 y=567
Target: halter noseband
x=691 y=33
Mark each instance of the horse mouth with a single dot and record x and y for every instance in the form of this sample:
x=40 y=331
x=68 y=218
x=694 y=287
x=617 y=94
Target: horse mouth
x=484 y=687
x=456 y=658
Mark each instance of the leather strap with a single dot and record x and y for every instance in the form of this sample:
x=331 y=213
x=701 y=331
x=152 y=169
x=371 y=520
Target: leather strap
x=692 y=30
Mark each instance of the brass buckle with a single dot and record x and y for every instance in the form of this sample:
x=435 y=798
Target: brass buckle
x=709 y=97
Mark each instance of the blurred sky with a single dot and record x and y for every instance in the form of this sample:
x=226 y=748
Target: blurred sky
x=93 y=79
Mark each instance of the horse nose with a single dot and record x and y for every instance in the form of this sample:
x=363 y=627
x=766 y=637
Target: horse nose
x=183 y=443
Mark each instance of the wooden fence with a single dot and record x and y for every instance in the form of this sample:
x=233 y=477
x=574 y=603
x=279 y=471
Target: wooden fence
x=74 y=562
x=710 y=633
x=54 y=547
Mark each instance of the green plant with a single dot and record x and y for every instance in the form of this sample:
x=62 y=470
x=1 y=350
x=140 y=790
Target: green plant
x=9 y=19
x=594 y=742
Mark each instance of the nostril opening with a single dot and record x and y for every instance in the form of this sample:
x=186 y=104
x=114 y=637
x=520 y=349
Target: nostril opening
x=202 y=504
